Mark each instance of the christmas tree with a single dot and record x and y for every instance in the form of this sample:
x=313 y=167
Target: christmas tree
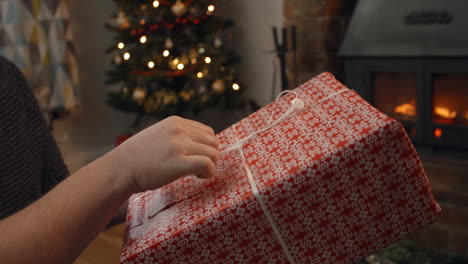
x=170 y=60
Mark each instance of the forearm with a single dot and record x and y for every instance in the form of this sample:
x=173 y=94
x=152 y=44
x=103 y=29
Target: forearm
x=57 y=227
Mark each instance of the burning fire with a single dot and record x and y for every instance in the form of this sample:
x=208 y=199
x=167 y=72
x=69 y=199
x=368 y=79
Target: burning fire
x=407 y=109
x=445 y=112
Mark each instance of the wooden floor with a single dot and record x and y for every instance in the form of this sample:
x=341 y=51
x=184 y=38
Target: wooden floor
x=105 y=249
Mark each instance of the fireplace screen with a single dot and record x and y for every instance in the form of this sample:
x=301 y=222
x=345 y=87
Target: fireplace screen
x=412 y=64
x=450 y=99
x=395 y=95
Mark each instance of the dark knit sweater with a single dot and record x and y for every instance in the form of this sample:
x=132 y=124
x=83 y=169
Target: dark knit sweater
x=30 y=162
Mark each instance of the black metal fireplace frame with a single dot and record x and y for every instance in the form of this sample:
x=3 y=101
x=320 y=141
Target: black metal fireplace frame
x=358 y=74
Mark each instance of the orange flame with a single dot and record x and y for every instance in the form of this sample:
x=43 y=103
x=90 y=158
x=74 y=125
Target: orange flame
x=445 y=112
x=407 y=109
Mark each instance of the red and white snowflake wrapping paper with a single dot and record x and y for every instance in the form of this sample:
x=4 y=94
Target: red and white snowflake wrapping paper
x=340 y=179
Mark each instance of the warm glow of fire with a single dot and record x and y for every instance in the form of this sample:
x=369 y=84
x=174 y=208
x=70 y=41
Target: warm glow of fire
x=445 y=112
x=438 y=132
x=407 y=109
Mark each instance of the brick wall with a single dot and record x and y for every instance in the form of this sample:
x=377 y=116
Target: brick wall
x=321 y=25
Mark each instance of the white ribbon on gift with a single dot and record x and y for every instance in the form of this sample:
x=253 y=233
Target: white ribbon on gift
x=296 y=104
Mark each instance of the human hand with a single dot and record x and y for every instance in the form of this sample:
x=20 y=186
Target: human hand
x=164 y=152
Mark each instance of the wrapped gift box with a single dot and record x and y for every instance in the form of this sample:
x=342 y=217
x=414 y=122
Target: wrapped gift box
x=331 y=183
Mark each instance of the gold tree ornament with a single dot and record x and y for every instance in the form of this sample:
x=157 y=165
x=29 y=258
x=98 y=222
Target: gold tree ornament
x=139 y=95
x=184 y=59
x=169 y=98
x=117 y=60
x=151 y=105
x=218 y=86
x=202 y=89
x=218 y=42
x=122 y=21
x=168 y=43
x=186 y=95
x=192 y=54
x=125 y=90
x=179 y=8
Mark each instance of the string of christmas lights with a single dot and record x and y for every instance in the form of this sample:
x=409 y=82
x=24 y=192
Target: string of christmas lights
x=171 y=59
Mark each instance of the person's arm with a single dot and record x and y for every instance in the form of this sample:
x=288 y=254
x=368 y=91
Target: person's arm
x=57 y=227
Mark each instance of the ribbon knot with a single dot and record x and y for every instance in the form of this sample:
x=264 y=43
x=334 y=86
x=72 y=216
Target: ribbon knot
x=296 y=104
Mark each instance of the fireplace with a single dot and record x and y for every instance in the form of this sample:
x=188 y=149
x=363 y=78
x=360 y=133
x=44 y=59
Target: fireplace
x=410 y=60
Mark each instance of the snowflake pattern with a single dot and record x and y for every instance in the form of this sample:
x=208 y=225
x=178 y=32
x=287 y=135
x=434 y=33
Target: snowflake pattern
x=340 y=178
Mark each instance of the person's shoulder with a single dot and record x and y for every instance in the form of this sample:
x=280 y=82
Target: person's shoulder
x=10 y=74
x=4 y=60
x=14 y=88
x=8 y=67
